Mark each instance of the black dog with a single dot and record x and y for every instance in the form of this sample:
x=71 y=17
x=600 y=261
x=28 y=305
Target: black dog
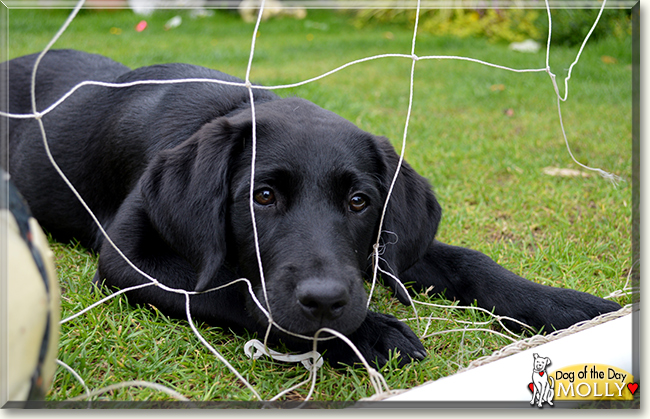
x=166 y=169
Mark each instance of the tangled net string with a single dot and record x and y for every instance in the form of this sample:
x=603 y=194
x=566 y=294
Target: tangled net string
x=311 y=360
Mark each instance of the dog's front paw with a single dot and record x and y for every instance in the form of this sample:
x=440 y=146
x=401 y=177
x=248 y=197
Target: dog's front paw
x=566 y=307
x=377 y=337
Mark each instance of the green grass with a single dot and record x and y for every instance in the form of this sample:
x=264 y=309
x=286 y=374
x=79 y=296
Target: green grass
x=481 y=135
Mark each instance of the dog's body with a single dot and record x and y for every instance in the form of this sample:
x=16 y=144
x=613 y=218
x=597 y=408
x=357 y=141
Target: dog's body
x=543 y=389
x=166 y=169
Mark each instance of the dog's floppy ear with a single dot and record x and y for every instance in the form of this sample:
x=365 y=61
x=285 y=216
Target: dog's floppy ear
x=185 y=192
x=412 y=215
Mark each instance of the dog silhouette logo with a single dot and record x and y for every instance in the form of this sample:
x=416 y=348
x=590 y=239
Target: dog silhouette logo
x=543 y=385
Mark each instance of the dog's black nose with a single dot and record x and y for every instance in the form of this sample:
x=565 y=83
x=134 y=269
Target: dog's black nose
x=321 y=299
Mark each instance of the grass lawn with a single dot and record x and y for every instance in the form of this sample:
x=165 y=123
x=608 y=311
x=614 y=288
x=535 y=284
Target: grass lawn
x=481 y=135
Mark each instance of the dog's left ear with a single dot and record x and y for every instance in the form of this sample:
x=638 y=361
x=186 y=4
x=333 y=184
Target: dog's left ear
x=412 y=215
x=185 y=191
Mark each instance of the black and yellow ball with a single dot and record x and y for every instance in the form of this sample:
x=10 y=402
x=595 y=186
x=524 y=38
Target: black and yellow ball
x=30 y=299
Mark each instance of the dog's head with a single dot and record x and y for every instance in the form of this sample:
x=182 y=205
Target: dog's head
x=540 y=363
x=319 y=191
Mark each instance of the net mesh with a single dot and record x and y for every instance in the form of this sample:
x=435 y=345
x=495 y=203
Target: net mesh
x=255 y=349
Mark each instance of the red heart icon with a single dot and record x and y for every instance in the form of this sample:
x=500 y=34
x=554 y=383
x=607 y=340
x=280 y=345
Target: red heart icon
x=541 y=374
x=632 y=387
x=532 y=387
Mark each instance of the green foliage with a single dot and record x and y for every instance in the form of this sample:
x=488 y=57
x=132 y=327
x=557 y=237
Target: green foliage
x=496 y=25
x=570 y=26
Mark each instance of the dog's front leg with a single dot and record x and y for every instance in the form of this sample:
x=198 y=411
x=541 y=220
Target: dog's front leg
x=542 y=393
x=469 y=276
x=535 y=394
x=146 y=250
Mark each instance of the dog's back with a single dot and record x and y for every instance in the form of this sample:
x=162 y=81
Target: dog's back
x=102 y=137
x=50 y=200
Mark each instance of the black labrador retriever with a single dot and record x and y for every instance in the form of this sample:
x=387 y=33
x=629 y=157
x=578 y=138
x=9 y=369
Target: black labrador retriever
x=167 y=171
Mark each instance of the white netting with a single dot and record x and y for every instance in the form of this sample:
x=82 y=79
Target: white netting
x=255 y=348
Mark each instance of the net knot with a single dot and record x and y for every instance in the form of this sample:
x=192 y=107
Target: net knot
x=255 y=349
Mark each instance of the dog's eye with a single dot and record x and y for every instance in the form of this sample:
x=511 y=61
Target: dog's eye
x=357 y=203
x=264 y=197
